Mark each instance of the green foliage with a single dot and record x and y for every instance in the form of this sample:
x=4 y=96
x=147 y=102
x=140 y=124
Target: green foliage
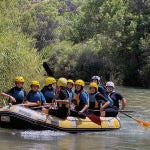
x=78 y=61
x=45 y=16
x=78 y=38
x=17 y=53
x=124 y=23
x=145 y=70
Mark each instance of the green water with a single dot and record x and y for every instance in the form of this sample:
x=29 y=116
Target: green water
x=131 y=136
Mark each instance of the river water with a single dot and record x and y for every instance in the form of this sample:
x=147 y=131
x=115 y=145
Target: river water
x=131 y=136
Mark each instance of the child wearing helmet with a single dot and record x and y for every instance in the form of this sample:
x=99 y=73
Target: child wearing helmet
x=101 y=88
x=116 y=97
x=35 y=97
x=17 y=94
x=70 y=84
x=96 y=99
x=62 y=99
x=49 y=89
x=80 y=100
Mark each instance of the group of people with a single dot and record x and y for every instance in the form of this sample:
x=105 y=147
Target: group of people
x=66 y=97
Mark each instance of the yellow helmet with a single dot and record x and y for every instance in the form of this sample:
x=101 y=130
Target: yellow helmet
x=93 y=84
x=34 y=82
x=62 y=82
x=80 y=82
x=19 y=79
x=70 y=81
x=50 y=80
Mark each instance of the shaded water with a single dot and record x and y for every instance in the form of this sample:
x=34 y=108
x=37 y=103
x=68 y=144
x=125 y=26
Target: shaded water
x=131 y=136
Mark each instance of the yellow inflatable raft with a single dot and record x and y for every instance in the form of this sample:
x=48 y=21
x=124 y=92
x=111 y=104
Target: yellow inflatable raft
x=19 y=117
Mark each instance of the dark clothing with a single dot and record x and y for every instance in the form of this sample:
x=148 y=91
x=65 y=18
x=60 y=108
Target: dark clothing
x=63 y=94
x=76 y=114
x=80 y=100
x=94 y=107
x=110 y=111
x=49 y=94
x=116 y=97
x=102 y=90
x=62 y=110
x=18 y=93
x=95 y=100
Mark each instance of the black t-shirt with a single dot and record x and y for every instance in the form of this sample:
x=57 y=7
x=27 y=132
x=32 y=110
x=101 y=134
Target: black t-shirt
x=116 y=96
x=63 y=94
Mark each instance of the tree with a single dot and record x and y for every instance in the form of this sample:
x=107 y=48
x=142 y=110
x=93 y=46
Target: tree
x=17 y=53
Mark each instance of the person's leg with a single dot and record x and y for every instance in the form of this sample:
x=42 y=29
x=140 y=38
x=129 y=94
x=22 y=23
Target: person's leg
x=103 y=114
x=110 y=112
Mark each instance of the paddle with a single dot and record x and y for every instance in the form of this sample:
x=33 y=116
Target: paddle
x=128 y=111
x=47 y=69
x=142 y=122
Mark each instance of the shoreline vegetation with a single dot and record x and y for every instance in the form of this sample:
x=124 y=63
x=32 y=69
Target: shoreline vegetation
x=77 y=38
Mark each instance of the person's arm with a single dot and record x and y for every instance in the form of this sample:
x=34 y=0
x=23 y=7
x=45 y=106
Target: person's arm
x=123 y=100
x=102 y=111
x=65 y=101
x=104 y=106
x=42 y=98
x=30 y=104
x=123 y=103
x=84 y=109
x=8 y=96
x=100 y=97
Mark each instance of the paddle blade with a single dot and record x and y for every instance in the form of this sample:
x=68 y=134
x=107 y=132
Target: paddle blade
x=144 y=123
x=47 y=69
x=94 y=119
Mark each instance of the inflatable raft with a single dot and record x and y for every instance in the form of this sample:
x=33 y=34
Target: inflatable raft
x=19 y=117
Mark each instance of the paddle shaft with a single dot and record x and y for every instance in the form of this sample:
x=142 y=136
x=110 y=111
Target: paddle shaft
x=129 y=111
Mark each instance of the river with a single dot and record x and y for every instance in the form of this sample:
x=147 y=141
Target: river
x=131 y=136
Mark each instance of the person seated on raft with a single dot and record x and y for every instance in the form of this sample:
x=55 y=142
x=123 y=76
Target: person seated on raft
x=70 y=84
x=95 y=99
x=49 y=89
x=17 y=94
x=111 y=110
x=80 y=101
x=62 y=99
x=34 y=97
x=101 y=88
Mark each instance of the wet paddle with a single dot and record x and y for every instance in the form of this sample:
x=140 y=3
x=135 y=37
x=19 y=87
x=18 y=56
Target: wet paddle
x=142 y=122
x=47 y=69
x=128 y=111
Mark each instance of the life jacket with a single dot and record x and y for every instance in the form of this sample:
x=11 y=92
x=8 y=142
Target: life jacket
x=34 y=96
x=49 y=94
x=60 y=105
x=79 y=102
x=61 y=97
x=114 y=96
x=93 y=104
x=111 y=101
x=71 y=95
x=18 y=94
